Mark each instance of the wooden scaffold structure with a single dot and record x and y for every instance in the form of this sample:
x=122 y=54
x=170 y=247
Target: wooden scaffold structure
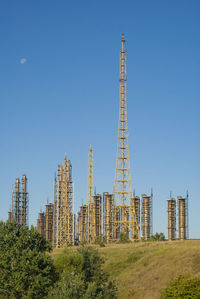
x=63 y=223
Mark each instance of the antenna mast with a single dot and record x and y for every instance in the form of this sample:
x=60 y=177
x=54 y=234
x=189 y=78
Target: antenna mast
x=125 y=220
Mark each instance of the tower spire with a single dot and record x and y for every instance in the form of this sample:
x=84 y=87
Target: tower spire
x=123 y=194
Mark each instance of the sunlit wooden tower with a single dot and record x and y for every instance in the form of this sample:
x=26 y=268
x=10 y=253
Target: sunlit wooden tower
x=63 y=206
x=125 y=219
x=20 y=202
x=49 y=222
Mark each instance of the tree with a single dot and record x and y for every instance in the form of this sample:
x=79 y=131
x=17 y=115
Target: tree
x=183 y=286
x=158 y=237
x=26 y=271
x=70 y=285
x=82 y=276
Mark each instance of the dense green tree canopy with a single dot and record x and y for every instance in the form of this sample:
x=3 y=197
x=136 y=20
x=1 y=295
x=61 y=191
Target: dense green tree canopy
x=26 y=271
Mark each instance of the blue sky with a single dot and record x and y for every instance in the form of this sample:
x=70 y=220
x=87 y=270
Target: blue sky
x=64 y=97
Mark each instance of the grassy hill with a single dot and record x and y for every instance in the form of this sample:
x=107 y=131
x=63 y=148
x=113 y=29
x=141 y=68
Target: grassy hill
x=141 y=270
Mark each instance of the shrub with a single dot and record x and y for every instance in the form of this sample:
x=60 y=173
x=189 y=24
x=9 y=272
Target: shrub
x=100 y=241
x=157 y=237
x=183 y=286
x=123 y=238
x=102 y=244
x=82 y=276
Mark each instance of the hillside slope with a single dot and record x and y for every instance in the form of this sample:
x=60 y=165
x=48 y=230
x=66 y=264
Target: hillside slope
x=141 y=270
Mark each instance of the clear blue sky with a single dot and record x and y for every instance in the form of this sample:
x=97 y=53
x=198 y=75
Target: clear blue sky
x=64 y=96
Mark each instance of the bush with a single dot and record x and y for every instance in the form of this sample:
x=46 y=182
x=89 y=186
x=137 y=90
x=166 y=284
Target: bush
x=157 y=237
x=100 y=242
x=123 y=238
x=82 y=276
x=183 y=286
x=26 y=271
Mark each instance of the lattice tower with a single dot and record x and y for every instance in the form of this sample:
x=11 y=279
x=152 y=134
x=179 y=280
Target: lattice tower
x=125 y=221
x=60 y=208
x=24 y=196
x=90 y=194
x=63 y=199
x=19 y=210
x=55 y=213
x=68 y=202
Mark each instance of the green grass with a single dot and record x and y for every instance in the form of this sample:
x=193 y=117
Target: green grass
x=141 y=270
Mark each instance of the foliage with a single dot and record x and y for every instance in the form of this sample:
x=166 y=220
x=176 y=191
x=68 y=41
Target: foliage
x=157 y=237
x=68 y=261
x=100 y=241
x=70 y=285
x=123 y=238
x=26 y=271
x=82 y=276
x=83 y=243
x=183 y=286
x=102 y=244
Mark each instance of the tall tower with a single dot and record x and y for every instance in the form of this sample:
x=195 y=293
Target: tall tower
x=68 y=202
x=146 y=218
x=24 y=201
x=90 y=191
x=125 y=220
x=171 y=219
x=19 y=212
x=63 y=206
x=49 y=222
x=90 y=194
x=55 y=212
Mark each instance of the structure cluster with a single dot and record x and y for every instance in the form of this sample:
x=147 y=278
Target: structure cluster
x=178 y=226
x=104 y=217
x=104 y=214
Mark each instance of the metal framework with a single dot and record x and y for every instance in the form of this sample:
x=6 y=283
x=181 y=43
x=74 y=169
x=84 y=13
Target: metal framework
x=63 y=225
x=90 y=195
x=90 y=215
x=125 y=219
x=68 y=202
x=19 y=210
